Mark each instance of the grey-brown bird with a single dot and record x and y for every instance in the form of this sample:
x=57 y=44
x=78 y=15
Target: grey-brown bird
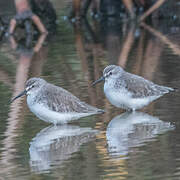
x=129 y=91
x=54 y=104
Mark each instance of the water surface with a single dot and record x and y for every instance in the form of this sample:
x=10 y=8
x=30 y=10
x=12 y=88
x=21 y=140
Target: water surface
x=114 y=145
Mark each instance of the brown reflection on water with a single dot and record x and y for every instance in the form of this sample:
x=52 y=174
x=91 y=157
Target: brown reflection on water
x=17 y=111
x=4 y=77
x=88 y=51
x=174 y=47
x=127 y=46
x=119 y=165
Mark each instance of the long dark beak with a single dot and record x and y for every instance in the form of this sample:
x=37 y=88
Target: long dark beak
x=98 y=80
x=18 y=96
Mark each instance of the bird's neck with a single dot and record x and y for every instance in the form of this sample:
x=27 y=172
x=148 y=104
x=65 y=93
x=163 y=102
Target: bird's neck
x=109 y=83
x=32 y=97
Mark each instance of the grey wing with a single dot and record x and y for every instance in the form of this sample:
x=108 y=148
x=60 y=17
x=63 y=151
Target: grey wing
x=140 y=87
x=60 y=100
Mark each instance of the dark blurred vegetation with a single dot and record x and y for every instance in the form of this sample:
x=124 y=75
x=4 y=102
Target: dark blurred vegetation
x=45 y=10
x=126 y=8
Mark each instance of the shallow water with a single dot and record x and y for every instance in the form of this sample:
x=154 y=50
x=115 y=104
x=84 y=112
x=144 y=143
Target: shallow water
x=113 y=145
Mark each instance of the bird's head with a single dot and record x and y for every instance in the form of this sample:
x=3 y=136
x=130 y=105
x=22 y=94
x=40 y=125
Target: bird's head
x=110 y=72
x=32 y=85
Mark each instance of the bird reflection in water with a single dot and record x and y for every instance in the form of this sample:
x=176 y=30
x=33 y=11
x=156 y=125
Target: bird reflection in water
x=55 y=144
x=133 y=129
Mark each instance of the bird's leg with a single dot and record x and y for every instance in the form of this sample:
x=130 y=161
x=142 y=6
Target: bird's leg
x=131 y=109
x=36 y=20
x=12 y=26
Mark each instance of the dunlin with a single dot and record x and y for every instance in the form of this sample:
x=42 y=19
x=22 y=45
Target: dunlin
x=54 y=104
x=129 y=91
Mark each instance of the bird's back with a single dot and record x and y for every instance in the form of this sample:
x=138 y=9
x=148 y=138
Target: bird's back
x=140 y=87
x=60 y=100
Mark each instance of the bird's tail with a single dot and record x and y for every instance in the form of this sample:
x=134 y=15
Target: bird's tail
x=166 y=89
x=175 y=89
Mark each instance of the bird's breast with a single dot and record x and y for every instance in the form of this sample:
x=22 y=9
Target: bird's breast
x=118 y=98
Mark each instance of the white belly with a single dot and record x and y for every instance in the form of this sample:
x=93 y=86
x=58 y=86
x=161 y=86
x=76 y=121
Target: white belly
x=123 y=99
x=54 y=117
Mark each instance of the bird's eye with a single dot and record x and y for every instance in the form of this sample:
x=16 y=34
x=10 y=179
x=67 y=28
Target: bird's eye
x=110 y=73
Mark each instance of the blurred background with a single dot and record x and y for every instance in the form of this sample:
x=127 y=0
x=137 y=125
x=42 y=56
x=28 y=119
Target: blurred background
x=83 y=38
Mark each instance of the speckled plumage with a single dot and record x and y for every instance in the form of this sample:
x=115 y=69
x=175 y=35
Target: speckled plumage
x=60 y=100
x=140 y=87
x=129 y=91
x=55 y=104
